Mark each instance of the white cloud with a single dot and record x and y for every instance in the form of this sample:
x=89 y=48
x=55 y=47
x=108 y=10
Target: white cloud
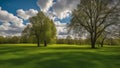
x=26 y=14
x=51 y=15
x=63 y=8
x=8 y=17
x=10 y=24
x=45 y=4
x=7 y=29
x=61 y=29
x=5 y=26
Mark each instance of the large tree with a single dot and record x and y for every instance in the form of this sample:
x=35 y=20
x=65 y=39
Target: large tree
x=42 y=28
x=95 y=16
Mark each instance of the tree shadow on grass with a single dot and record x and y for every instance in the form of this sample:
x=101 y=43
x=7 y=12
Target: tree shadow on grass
x=14 y=49
x=55 y=59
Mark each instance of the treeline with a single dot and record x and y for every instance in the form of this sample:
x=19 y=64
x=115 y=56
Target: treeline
x=9 y=40
x=73 y=41
x=87 y=41
x=19 y=39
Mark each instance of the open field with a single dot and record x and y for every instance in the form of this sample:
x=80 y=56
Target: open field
x=58 y=56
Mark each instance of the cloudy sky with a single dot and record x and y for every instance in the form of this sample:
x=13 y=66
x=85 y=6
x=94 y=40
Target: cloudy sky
x=14 y=14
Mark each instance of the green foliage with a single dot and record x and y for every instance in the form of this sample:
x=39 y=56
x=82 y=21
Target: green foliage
x=73 y=41
x=42 y=28
x=32 y=39
x=2 y=40
x=8 y=39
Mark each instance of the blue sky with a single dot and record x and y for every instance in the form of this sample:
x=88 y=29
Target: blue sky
x=14 y=14
x=13 y=5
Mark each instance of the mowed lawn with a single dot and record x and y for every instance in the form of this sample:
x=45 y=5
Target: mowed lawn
x=58 y=56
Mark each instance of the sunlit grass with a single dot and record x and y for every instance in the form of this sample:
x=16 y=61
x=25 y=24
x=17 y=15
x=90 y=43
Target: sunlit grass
x=58 y=56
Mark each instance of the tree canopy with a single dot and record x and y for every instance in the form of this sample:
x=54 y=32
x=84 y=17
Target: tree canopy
x=95 y=16
x=42 y=28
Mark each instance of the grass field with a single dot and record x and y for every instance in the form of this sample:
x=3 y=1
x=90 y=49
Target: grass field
x=58 y=56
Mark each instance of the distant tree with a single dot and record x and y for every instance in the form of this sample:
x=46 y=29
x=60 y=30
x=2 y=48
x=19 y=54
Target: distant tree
x=69 y=39
x=26 y=34
x=42 y=28
x=2 y=40
x=102 y=38
x=15 y=39
x=95 y=16
x=117 y=31
x=114 y=34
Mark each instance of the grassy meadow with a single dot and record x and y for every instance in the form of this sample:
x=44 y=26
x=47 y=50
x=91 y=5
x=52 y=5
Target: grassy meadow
x=58 y=56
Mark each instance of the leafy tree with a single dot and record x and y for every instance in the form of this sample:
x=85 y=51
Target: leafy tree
x=102 y=38
x=42 y=28
x=26 y=34
x=2 y=39
x=95 y=16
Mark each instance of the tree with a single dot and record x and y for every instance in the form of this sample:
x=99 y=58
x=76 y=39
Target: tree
x=42 y=28
x=69 y=40
x=26 y=34
x=95 y=16
x=2 y=40
x=102 y=38
x=117 y=31
x=49 y=32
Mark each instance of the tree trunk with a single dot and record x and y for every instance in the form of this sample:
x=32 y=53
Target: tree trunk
x=92 y=44
x=45 y=43
x=93 y=41
x=102 y=43
x=38 y=42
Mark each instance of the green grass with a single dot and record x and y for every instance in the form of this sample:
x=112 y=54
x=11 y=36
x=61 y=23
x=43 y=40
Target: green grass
x=58 y=56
